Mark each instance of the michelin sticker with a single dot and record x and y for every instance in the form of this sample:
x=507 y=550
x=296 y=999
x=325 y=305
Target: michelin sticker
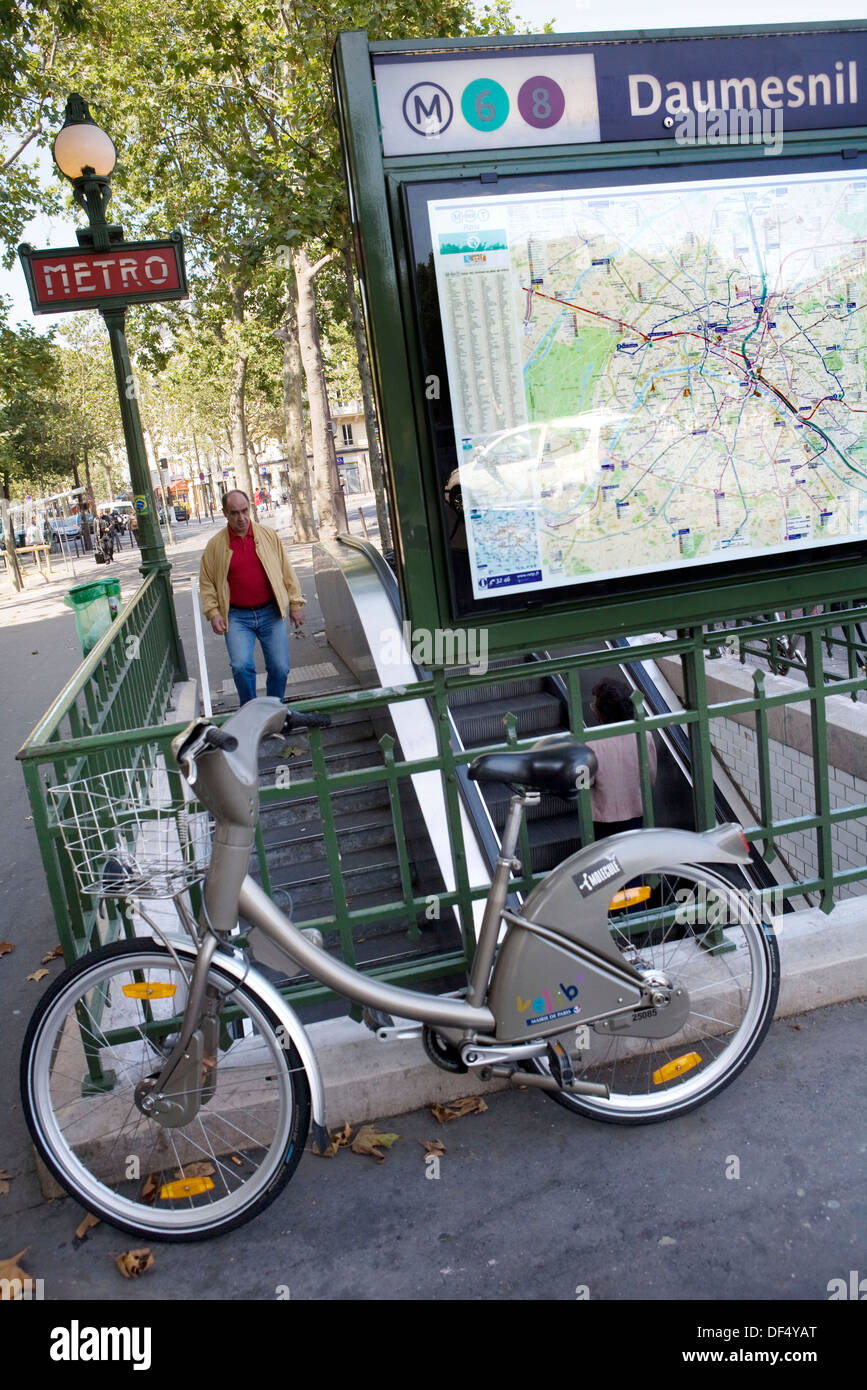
x=596 y=875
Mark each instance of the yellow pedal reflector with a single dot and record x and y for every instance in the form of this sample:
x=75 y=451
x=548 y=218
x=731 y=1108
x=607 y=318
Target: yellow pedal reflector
x=151 y=991
x=676 y=1068
x=627 y=897
x=185 y=1187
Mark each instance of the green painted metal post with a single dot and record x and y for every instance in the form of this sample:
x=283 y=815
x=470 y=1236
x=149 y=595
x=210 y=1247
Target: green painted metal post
x=152 y=550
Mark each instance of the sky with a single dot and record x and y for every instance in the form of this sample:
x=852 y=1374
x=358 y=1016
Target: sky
x=569 y=17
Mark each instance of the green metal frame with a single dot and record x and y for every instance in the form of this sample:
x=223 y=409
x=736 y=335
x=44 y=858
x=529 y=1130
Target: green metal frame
x=383 y=255
x=108 y=717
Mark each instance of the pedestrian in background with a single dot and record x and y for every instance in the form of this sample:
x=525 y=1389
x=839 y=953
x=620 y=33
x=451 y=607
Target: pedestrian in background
x=246 y=584
x=615 y=796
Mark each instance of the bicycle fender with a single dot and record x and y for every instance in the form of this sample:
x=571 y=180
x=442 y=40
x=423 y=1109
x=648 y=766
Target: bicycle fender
x=573 y=900
x=293 y=1028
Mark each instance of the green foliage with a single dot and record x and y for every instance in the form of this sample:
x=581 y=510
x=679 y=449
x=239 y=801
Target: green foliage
x=29 y=379
x=35 y=40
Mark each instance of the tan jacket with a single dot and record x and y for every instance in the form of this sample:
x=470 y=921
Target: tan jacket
x=214 y=571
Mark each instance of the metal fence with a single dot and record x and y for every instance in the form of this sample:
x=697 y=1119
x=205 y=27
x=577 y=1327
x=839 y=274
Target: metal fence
x=109 y=716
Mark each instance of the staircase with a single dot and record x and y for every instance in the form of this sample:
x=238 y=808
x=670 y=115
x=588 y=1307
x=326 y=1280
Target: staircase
x=539 y=709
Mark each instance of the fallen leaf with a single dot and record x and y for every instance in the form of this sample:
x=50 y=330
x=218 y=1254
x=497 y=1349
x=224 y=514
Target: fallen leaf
x=368 y=1140
x=467 y=1105
x=37 y=975
x=6 y=947
x=432 y=1146
x=53 y=955
x=149 y=1189
x=337 y=1139
x=236 y=1159
x=290 y=750
x=5 y=1179
x=203 y=1169
x=10 y=1269
x=132 y=1263
x=36 y=653
x=86 y=1225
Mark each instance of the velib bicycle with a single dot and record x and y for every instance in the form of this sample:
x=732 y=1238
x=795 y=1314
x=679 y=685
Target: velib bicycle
x=169 y=1086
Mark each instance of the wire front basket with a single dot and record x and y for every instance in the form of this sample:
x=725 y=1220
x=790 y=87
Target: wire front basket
x=133 y=833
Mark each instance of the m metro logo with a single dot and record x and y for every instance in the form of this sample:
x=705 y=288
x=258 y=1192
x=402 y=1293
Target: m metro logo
x=428 y=109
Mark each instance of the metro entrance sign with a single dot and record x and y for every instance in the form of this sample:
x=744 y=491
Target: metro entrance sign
x=616 y=291
x=129 y=272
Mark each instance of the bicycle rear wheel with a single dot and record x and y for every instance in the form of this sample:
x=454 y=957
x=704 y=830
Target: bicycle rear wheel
x=701 y=934
x=100 y=1032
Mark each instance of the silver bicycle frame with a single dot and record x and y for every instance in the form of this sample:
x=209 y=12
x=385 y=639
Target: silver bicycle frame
x=227 y=783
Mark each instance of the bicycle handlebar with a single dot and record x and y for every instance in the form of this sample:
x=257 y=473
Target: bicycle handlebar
x=299 y=719
x=215 y=738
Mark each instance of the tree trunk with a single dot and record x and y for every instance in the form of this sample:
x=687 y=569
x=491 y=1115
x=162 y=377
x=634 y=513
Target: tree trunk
x=329 y=494
x=301 y=496
x=237 y=412
x=82 y=505
x=376 y=473
x=9 y=539
x=91 y=502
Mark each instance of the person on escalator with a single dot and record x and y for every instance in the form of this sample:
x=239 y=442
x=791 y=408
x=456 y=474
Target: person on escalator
x=616 y=792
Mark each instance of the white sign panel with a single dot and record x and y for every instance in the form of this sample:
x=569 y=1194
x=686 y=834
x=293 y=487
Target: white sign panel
x=486 y=101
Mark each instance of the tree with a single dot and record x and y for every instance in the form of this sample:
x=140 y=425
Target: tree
x=28 y=381
x=34 y=42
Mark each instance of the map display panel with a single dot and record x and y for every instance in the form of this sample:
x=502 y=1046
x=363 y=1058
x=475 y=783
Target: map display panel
x=649 y=376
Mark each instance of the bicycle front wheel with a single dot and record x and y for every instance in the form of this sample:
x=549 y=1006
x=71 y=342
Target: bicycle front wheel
x=692 y=930
x=99 y=1037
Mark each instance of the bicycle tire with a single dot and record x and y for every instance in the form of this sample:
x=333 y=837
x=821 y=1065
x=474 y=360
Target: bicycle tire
x=729 y=962
x=88 y=1046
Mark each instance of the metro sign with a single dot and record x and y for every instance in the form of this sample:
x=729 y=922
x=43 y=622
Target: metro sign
x=130 y=272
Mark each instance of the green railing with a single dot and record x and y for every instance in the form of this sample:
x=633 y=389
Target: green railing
x=105 y=718
x=108 y=717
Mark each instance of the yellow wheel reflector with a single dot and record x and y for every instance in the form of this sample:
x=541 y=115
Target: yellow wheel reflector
x=676 y=1068
x=628 y=897
x=152 y=991
x=185 y=1187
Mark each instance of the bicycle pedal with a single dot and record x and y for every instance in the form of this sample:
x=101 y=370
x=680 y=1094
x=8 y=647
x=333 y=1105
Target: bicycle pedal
x=374 y=1019
x=561 y=1065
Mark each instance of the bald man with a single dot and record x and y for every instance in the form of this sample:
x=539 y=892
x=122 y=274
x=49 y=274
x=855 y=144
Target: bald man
x=247 y=583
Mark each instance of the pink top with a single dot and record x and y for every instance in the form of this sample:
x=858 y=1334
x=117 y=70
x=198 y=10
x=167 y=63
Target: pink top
x=616 y=792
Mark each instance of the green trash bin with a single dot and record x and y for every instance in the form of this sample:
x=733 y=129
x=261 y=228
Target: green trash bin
x=95 y=604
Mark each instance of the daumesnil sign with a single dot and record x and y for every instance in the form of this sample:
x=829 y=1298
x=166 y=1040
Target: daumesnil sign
x=602 y=91
x=77 y=277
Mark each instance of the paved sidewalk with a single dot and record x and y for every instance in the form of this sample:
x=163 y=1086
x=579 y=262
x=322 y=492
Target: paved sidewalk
x=756 y=1196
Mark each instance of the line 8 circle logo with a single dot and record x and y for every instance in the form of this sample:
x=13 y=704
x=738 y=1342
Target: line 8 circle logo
x=428 y=109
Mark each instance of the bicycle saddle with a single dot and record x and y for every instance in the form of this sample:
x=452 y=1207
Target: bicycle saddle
x=555 y=764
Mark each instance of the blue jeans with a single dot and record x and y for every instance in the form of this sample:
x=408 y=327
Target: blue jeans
x=245 y=625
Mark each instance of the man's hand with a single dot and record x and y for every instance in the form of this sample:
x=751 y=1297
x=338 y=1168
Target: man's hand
x=297 y=616
x=218 y=623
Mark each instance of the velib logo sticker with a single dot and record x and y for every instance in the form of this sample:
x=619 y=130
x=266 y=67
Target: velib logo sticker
x=77 y=1343
x=553 y=1003
x=597 y=874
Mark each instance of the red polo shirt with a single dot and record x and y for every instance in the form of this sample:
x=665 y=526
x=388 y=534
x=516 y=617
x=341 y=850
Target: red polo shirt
x=248 y=582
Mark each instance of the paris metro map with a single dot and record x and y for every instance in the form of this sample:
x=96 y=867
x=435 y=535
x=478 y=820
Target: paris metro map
x=650 y=375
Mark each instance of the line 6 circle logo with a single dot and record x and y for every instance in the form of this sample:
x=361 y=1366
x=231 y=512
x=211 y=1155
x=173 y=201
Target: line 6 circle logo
x=428 y=109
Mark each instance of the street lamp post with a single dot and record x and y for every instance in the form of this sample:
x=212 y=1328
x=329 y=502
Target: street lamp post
x=86 y=156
